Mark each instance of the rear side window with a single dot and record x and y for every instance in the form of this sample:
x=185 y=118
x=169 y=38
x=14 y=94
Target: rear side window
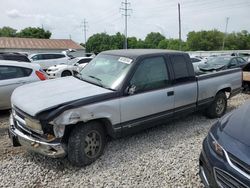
x=15 y=58
x=180 y=68
x=194 y=60
x=11 y=72
x=84 y=61
x=37 y=57
x=241 y=61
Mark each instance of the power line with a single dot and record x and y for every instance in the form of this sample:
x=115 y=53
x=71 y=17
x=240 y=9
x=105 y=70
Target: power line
x=223 y=43
x=125 y=10
x=84 y=26
x=179 y=16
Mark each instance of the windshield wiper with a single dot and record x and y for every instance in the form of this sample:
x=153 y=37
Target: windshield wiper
x=98 y=79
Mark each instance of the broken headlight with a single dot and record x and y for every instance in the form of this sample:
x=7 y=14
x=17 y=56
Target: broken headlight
x=34 y=125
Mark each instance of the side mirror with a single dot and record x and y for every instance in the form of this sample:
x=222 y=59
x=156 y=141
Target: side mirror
x=131 y=90
x=76 y=64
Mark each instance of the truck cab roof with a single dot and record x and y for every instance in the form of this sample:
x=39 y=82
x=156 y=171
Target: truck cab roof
x=134 y=53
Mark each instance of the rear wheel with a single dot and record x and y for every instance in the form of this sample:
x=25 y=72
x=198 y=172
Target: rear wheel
x=66 y=73
x=86 y=143
x=218 y=107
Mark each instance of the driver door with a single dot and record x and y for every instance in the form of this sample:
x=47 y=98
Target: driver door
x=153 y=96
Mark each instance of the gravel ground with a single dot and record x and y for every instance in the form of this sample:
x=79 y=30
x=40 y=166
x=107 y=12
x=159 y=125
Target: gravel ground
x=164 y=156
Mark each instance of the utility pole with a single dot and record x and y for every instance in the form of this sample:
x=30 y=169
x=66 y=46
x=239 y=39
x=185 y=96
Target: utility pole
x=179 y=15
x=84 y=25
x=224 y=38
x=125 y=14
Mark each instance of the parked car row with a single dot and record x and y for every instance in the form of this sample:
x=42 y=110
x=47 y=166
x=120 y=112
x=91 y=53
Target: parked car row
x=16 y=69
x=217 y=63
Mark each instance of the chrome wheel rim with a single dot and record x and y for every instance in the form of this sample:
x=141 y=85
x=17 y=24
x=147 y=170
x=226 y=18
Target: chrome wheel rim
x=93 y=144
x=220 y=106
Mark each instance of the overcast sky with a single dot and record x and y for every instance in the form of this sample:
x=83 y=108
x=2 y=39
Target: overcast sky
x=64 y=18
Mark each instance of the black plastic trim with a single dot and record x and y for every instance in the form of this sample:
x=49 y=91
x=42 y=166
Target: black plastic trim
x=53 y=112
x=206 y=76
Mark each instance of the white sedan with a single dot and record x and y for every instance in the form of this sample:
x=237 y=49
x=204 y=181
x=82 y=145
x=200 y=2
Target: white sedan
x=14 y=74
x=69 y=69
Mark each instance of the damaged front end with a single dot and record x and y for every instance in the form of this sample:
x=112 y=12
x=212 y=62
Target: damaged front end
x=28 y=132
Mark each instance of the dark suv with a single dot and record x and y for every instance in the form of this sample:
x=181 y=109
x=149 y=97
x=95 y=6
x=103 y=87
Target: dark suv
x=14 y=56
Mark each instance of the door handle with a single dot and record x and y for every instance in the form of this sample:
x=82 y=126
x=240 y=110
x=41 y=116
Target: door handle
x=170 y=93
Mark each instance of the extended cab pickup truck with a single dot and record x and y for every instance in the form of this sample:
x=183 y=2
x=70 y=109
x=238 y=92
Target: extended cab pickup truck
x=117 y=93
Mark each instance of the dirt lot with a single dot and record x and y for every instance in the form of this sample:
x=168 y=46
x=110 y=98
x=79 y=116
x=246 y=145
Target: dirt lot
x=165 y=156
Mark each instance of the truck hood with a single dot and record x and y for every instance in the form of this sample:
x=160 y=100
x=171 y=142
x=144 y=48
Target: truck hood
x=36 y=97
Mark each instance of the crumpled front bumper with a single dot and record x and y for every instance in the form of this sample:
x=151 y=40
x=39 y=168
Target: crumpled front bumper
x=50 y=149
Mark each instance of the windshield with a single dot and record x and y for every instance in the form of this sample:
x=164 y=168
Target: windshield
x=107 y=71
x=219 y=61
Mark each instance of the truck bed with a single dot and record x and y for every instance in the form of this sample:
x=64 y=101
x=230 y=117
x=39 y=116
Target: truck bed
x=209 y=84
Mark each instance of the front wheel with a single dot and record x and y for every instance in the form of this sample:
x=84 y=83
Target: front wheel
x=218 y=107
x=66 y=73
x=86 y=143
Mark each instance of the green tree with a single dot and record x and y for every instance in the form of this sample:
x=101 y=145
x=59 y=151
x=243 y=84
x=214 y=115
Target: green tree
x=153 y=39
x=163 y=44
x=205 y=40
x=238 y=41
x=140 y=44
x=7 y=32
x=132 y=42
x=34 y=32
x=117 y=41
x=174 y=44
x=98 y=42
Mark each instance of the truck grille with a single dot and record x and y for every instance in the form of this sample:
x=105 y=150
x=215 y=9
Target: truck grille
x=240 y=164
x=227 y=181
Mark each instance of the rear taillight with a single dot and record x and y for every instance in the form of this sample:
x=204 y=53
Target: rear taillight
x=41 y=75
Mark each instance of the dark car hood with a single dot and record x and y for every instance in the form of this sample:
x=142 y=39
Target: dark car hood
x=233 y=131
x=238 y=124
x=209 y=67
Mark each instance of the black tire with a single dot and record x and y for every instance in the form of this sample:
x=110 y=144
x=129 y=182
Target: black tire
x=83 y=149
x=66 y=73
x=218 y=107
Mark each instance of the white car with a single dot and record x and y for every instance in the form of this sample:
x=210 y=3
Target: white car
x=14 y=74
x=73 y=67
x=46 y=60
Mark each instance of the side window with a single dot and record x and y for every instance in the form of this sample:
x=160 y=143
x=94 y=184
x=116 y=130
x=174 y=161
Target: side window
x=241 y=61
x=194 y=60
x=34 y=58
x=233 y=62
x=180 y=68
x=84 y=61
x=151 y=74
x=11 y=72
x=57 y=56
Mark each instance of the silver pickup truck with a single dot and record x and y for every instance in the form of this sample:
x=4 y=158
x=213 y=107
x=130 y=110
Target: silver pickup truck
x=118 y=93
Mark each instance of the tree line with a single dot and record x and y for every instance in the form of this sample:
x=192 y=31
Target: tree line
x=196 y=41
x=29 y=32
